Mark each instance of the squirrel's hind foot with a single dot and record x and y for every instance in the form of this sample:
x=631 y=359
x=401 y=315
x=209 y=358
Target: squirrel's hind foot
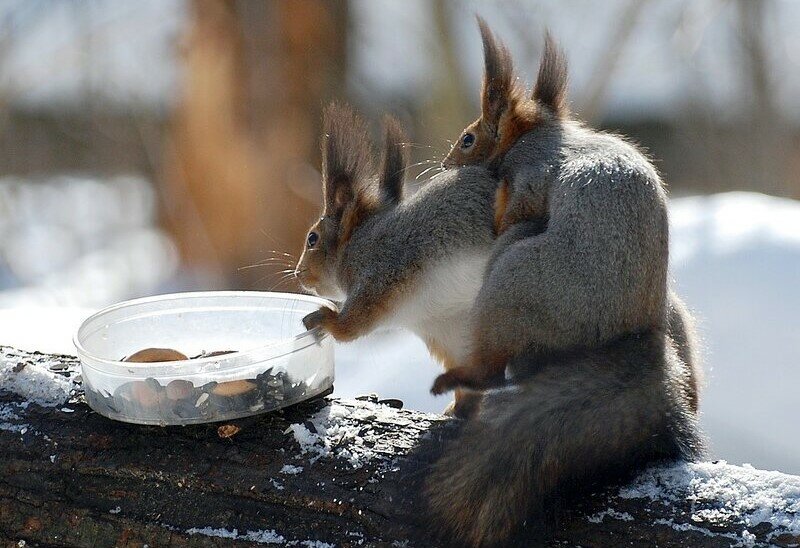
x=465 y=405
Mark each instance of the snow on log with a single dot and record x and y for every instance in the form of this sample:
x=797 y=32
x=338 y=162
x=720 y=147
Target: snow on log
x=324 y=473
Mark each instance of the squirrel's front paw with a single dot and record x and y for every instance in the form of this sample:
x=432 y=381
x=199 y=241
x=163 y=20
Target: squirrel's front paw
x=319 y=318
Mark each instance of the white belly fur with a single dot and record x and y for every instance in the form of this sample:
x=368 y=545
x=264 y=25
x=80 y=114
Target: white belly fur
x=438 y=307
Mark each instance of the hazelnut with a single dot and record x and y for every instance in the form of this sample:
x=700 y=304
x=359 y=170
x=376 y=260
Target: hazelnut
x=233 y=388
x=179 y=389
x=149 y=355
x=143 y=393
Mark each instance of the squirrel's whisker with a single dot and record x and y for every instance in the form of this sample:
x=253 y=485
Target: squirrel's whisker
x=284 y=278
x=265 y=263
x=282 y=253
x=415 y=145
x=424 y=171
x=422 y=163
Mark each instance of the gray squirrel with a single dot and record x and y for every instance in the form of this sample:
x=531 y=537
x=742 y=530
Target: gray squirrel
x=415 y=262
x=594 y=357
x=599 y=269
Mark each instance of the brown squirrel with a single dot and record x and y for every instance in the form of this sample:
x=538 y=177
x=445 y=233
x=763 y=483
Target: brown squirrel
x=578 y=343
x=599 y=269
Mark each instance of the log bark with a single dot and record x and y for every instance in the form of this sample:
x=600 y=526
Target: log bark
x=328 y=472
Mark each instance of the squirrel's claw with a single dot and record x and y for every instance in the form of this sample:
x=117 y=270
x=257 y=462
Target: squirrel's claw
x=318 y=318
x=310 y=321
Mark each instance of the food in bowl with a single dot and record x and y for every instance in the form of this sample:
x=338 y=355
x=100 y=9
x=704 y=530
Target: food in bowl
x=277 y=362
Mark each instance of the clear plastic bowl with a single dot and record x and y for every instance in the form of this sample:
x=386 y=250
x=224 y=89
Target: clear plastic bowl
x=275 y=362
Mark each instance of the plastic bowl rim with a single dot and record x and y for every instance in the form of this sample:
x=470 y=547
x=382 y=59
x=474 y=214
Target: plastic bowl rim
x=153 y=369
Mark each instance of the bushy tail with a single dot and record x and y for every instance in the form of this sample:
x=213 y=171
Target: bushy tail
x=681 y=330
x=593 y=415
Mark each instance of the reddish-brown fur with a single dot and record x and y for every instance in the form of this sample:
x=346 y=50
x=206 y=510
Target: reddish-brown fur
x=364 y=207
x=506 y=114
x=500 y=206
x=522 y=116
x=466 y=402
x=354 y=322
x=483 y=370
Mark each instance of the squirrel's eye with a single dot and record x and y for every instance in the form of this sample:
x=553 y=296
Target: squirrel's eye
x=313 y=238
x=467 y=140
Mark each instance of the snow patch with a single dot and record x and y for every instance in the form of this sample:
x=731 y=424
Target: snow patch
x=9 y=417
x=34 y=382
x=7 y=412
x=259 y=537
x=611 y=513
x=745 y=539
x=264 y=537
x=684 y=527
x=211 y=532
x=346 y=432
x=735 y=493
x=291 y=469
x=748 y=538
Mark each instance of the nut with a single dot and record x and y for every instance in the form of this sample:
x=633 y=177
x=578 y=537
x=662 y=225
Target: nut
x=179 y=389
x=144 y=394
x=233 y=388
x=227 y=431
x=149 y=355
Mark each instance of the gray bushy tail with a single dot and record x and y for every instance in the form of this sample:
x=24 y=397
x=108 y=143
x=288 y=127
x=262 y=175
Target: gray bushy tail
x=585 y=416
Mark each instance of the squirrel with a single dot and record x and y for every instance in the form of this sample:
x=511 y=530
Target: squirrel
x=586 y=360
x=415 y=262
x=599 y=268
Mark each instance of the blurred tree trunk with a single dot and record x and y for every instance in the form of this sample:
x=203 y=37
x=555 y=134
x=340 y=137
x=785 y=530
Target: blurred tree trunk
x=240 y=183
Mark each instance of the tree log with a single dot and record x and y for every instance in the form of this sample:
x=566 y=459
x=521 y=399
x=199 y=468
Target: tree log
x=327 y=472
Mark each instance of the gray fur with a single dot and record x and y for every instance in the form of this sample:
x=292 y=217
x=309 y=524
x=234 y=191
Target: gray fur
x=575 y=420
x=600 y=268
x=374 y=243
x=682 y=334
x=450 y=215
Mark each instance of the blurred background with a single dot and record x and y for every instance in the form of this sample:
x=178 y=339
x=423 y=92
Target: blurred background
x=157 y=146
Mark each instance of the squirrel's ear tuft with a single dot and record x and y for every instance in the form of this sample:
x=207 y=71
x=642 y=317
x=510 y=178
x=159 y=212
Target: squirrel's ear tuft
x=551 y=83
x=498 y=77
x=395 y=161
x=346 y=156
